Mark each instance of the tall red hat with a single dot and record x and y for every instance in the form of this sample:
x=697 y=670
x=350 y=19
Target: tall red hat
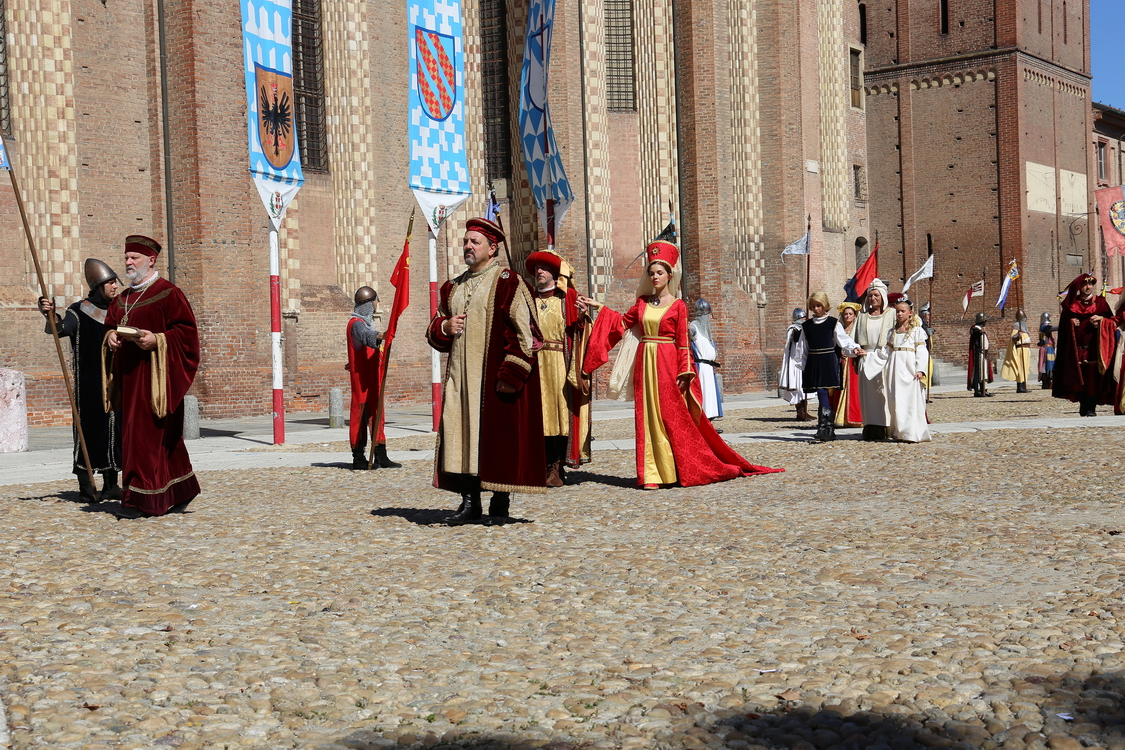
x=138 y=243
x=542 y=258
x=490 y=230
x=665 y=252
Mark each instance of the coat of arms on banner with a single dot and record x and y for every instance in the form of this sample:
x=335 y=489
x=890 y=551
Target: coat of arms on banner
x=1117 y=216
x=437 y=79
x=275 y=115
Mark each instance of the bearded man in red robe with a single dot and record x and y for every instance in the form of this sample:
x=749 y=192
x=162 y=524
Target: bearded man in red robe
x=1085 y=347
x=150 y=359
x=491 y=432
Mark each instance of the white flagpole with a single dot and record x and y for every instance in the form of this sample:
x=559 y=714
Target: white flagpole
x=435 y=358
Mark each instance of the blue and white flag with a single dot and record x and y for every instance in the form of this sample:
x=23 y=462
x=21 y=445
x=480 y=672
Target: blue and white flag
x=439 y=169
x=540 y=153
x=1012 y=275
x=275 y=162
x=4 y=163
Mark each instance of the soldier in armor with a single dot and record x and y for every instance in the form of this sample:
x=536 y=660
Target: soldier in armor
x=363 y=365
x=791 y=375
x=1046 y=351
x=84 y=325
x=704 y=353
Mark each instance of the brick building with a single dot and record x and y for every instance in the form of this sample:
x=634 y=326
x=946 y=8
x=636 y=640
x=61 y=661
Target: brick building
x=979 y=117
x=747 y=116
x=1109 y=161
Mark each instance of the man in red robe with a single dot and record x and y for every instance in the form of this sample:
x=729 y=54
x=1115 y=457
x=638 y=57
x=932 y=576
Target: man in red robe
x=364 y=343
x=153 y=356
x=1085 y=347
x=491 y=432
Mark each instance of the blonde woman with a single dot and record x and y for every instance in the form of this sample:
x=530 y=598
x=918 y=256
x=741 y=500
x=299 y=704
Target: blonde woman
x=901 y=362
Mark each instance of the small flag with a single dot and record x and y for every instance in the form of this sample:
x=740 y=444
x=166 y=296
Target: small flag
x=800 y=247
x=493 y=209
x=1012 y=274
x=975 y=290
x=1117 y=290
x=400 y=280
x=925 y=272
x=864 y=275
x=4 y=163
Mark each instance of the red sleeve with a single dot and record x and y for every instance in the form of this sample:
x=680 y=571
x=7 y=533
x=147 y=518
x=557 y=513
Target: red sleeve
x=517 y=366
x=608 y=330
x=182 y=336
x=435 y=336
x=683 y=350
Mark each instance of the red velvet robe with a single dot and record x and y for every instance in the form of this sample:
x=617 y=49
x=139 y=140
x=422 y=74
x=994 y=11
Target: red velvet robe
x=701 y=456
x=363 y=367
x=1084 y=351
x=157 y=469
x=512 y=456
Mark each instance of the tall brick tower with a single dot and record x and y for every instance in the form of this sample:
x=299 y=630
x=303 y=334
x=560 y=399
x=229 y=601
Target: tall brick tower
x=978 y=120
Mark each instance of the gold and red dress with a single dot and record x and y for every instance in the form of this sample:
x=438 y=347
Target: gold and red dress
x=846 y=405
x=675 y=441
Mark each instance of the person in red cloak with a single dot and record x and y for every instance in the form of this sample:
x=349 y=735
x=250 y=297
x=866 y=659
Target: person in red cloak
x=675 y=442
x=152 y=358
x=491 y=431
x=364 y=350
x=1085 y=347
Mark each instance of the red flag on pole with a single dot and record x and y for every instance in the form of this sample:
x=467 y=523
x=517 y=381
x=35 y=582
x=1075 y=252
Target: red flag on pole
x=400 y=280
x=864 y=275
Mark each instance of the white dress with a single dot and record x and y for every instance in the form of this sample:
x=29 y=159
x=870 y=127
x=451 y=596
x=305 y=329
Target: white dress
x=898 y=360
x=870 y=332
x=704 y=350
x=791 y=378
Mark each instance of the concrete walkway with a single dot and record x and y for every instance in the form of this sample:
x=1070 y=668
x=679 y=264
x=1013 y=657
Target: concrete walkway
x=226 y=443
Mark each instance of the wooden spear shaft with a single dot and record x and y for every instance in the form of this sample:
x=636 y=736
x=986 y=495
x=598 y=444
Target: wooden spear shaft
x=54 y=331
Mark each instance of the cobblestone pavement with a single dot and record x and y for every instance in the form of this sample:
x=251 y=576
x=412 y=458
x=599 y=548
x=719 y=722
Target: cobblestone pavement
x=960 y=593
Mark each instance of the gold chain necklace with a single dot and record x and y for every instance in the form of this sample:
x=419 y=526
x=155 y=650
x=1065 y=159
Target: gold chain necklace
x=128 y=308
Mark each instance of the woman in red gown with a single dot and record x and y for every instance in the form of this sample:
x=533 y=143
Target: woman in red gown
x=675 y=441
x=846 y=400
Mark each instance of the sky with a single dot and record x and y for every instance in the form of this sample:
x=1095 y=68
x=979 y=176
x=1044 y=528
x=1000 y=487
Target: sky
x=1107 y=52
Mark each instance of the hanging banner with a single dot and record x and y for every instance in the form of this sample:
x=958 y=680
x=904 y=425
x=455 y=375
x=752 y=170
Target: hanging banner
x=439 y=169
x=275 y=163
x=1111 y=210
x=540 y=154
x=4 y=163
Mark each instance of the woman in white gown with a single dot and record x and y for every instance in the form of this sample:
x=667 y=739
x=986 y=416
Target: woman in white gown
x=902 y=361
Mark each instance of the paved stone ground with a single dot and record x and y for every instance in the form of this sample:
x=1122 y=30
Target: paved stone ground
x=960 y=593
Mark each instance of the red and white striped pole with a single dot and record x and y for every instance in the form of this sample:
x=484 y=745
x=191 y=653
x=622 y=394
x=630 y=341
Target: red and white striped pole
x=435 y=358
x=275 y=342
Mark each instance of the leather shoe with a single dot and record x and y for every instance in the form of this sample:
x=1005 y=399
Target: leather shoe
x=129 y=512
x=468 y=511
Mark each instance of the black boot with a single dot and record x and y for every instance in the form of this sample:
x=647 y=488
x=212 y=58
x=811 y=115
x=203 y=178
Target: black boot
x=110 y=489
x=86 y=489
x=821 y=435
x=1021 y=387
x=829 y=427
x=468 y=511
x=498 y=506
x=359 y=460
x=382 y=460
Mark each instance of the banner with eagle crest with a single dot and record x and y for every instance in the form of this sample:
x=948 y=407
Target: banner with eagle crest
x=275 y=162
x=439 y=168
x=1111 y=209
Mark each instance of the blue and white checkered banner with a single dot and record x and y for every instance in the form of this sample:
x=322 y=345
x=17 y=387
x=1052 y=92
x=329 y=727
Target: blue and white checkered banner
x=275 y=163
x=4 y=163
x=540 y=154
x=439 y=169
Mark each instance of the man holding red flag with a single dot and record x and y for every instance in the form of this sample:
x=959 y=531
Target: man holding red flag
x=365 y=368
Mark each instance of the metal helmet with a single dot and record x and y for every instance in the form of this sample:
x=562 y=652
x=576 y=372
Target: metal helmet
x=365 y=294
x=980 y=319
x=1021 y=315
x=924 y=308
x=1045 y=319
x=702 y=307
x=98 y=273
x=798 y=314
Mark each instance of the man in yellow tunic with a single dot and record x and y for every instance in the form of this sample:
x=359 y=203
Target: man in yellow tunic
x=1017 y=359
x=564 y=323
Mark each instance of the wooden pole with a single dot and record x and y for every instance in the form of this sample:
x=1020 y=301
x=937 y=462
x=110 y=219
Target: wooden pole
x=54 y=332
x=384 y=361
x=808 y=257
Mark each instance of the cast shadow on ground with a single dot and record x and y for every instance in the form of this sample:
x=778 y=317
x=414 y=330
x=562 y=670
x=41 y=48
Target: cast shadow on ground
x=1073 y=711
x=432 y=517
x=578 y=477
x=333 y=465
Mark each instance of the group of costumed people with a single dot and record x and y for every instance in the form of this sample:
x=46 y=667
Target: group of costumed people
x=516 y=392
x=870 y=368
x=135 y=355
